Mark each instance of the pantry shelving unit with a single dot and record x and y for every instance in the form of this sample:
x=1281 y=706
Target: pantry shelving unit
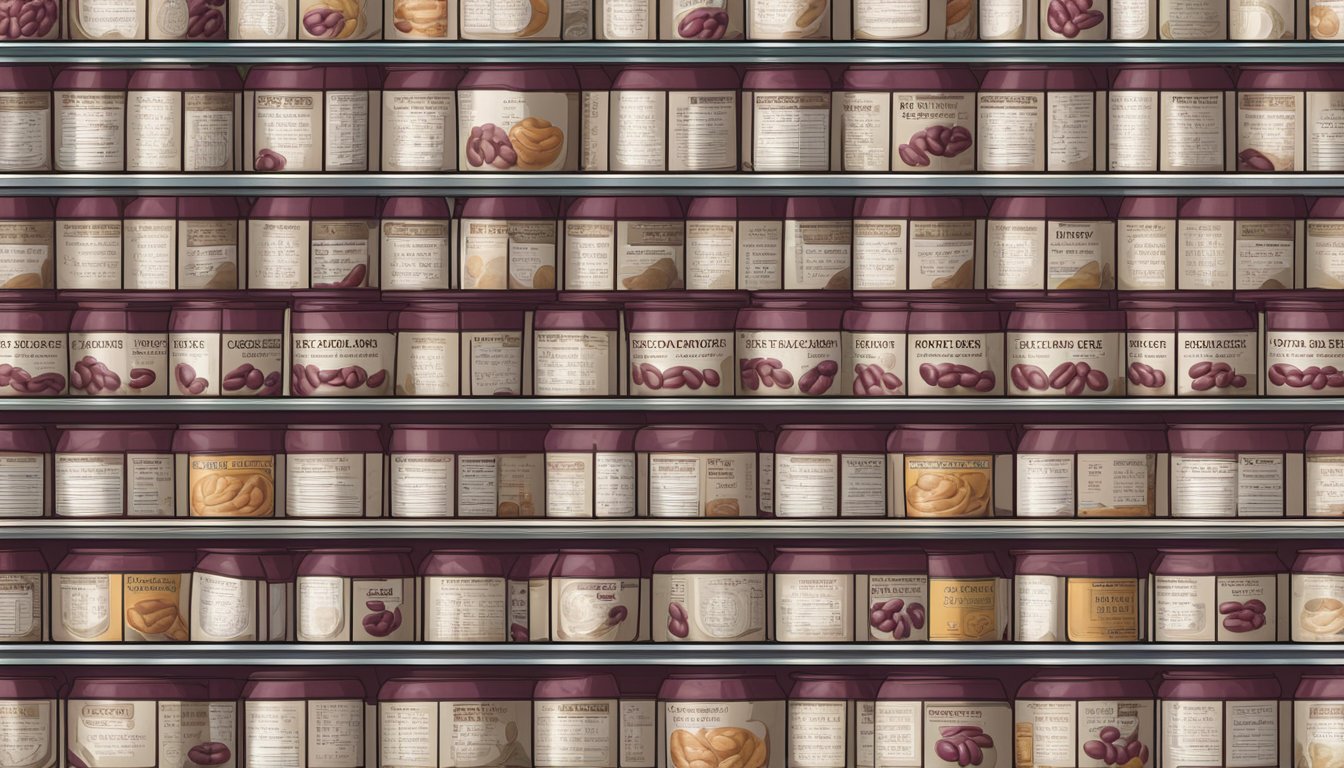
x=674 y=530
x=701 y=654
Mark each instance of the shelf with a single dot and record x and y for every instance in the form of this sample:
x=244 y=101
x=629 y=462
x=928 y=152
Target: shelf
x=93 y=405
x=891 y=529
x=478 y=52
x=772 y=654
x=678 y=184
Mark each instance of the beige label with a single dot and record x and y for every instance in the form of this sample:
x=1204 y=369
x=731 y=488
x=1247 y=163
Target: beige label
x=89 y=254
x=416 y=255
x=231 y=486
x=711 y=255
x=575 y=363
x=1270 y=123
x=830 y=485
x=715 y=608
x=1036 y=356
x=790 y=131
x=336 y=609
x=23 y=605
x=945 y=354
x=748 y=732
x=226 y=609
x=462 y=734
x=639 y=738
x=501 y=485
x=1052 y=609
x=288 y=124
x=344 y=254
x=1053 y=733
x=897 y=607
x=38 y=354
x=541 y=127
x=210 y=129
x=671 y=364
x=493 y=363
x=1012 y=131
x=916 y=113
x=789 y=20
x=516 y=255
x=207 y=254
x=1201 y=20
x=29 y=737
x=427 y=363
x=817 y=255
x=866 y=131
x=1317 y=608
x=1300 y=350
x=598 y=484
x=576 y=733
x=1325 y=485
x=595 y=610
x=529 y=610
x=113 y=485
x=700 y=485
x=339 y=485
x=154 y=131
x=331 y=352
x=418 y=130
x=277 y=253
x=465 y=609
x=1211 y=732
x=250 y=364
x=1234 y=352
x=1087 y=485
x=908 y=733
x=24 y=117
x=814 y=607
x=808 y=363
x=423 y=485
x=968 y=610
x=1325 y=254
x=1317 y=732
x=90 y=129
x=26 y=250
x=1228 y=485
x=874 y=364
x=1240 y=609
x=323 y=733
x=657 y=130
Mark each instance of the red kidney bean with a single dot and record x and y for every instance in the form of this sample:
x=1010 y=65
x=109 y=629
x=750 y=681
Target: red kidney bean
x=1097 y=381
x=376 y=379
x=1253 y=160
x=1062 y=375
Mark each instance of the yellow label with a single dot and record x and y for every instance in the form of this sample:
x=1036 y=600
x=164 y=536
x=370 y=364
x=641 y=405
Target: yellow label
x=1025 y=743
x=154 y=606
x=232 y=486
x=948 y=486
x=1103 y=610
x=963 y=610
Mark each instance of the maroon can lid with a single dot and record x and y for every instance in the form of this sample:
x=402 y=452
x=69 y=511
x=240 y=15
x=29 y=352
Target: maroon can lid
x=291 y=685
x=717 y=686
x=270 y=565
x=1090 y=563
x=951 y=317
x=22 y=561
x=698 y=438
x=345 y=207
x=596 y=564
x=467 y=438
x=1324 y=208
x=1282 y=78
x=656 y=316
x=931 y=688
x=192 y=208
x=511 y=208
x=517 y=77
x=465 y=562
x=421 y=77
x=819 y=208
x=934 y=208
x=228 y=438
x=32 y=77
x=1262 y=207
x=1050 y=208
x=560 y=687
x=1083 y=688
x=1093 y=438
x=1148 y=208
x=314 y=315
x=962 y=565
x=429 y=313
x=1162 y=77
x=558 y=318
x=800 y=315
x=286 y=208
x=83 y=77
x=456 y=689
x=871 y=319
x=368 y=562
x=1055 y=317
x=333 y=438
x=1039 y=78
x=232 y=317
x=736 y=208
x=127 y=561
x=137 y=689
x=28 y=688
x=1326 y=438
x=1329 y=561
x=626 y=208
x=114 y=439
x=185 y=78
x=865 y=560
x=821 y=687
x=88 y=208
x=24 y=438
x=532 y=566
x=916 y=77
x=434 y=208
x=1329 y=687
x=674 y=78
x=570 y=438
x=1235 y=438
x=1209 y=562
x=830 y=438
x=951 y=438
x=26 y=208
x=1171 y=316
x=305 y=77
x=711 y=560
x=1240 y=685
x=786 y=78
x=95 y=316
x=19 y=316
x=1303 y=315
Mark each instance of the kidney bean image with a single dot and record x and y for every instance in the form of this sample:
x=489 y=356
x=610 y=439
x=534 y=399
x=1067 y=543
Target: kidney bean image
x=489 y=144
x=934 y=141
x=963 y=745
x=205 y=20
x=675 y=377
x=90 y=376
x=767 y=372
x=245 y=376
x=1243 y=617
x=1070 y=17
x=306 y=380
x=269 y=160
x=703 y=24
x=142 y=377
x=376 y=379
x=270 y=386
x=870 y=379
x=1253 y=160
x=897 y=617
x=519 y=633
x=188 y=383
x=1073 y=378
x=209 y=753
x=324 y=22
x=41 y=385
x=1114 y=750
x=678 y=621
x=1313 y=377
x=353 y=279
x=1144 y=375
x=818 y=379
x=28 y=19
x=380 y=622
x=1206 y=375
x=953 y=375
